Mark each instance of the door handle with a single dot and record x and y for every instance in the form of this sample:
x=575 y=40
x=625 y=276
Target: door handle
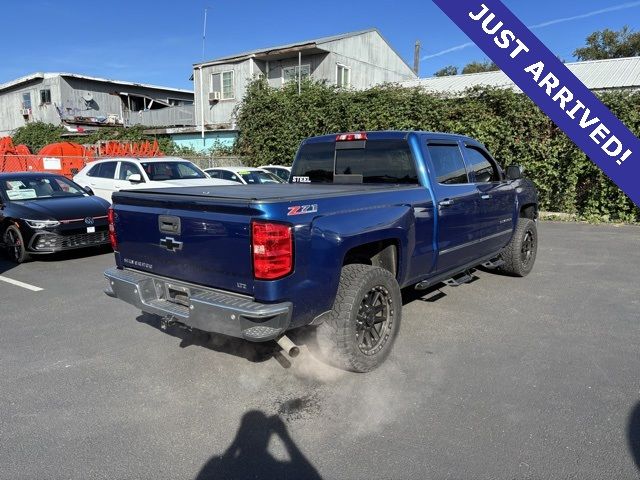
x=486 y=196
x=446 y=203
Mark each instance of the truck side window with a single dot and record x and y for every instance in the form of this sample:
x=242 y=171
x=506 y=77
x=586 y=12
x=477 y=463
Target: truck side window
x=449 y=164
x=483 y=167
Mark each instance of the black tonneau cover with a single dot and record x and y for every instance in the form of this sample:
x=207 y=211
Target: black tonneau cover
x=262 y=193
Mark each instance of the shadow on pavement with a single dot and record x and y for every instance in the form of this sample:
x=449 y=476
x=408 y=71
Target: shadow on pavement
x=633 y=434
x=6 y=264
x=252 y=351
x=248 y=455
x=72 y=254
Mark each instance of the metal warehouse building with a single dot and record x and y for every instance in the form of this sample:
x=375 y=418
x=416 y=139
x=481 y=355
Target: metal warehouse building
x=597 y=75
x=80 y=101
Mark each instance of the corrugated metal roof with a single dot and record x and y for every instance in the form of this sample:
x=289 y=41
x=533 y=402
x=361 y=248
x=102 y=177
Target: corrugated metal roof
x=596 y=75
x=43 y=75
x=316 y=41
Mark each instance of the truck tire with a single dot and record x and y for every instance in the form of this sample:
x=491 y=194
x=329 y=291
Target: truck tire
x=16 y=250
x=365 y=319
x=520 y=255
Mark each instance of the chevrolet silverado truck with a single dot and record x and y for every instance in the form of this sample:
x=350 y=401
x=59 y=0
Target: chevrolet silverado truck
x=364 y=215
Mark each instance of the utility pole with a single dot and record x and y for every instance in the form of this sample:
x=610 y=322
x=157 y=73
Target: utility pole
x=416 y=58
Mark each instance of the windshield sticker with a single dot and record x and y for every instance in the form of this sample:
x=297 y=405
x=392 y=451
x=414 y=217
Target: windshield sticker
x=15 y=184
x=26 y=194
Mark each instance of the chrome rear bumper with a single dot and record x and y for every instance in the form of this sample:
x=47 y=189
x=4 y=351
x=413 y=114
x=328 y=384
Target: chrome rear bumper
x=200 y=307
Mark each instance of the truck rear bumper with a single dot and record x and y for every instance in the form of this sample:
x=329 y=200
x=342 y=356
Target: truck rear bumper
x=200 y=307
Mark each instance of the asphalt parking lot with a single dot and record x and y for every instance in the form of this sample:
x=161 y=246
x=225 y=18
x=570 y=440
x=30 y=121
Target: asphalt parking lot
x=500 y=378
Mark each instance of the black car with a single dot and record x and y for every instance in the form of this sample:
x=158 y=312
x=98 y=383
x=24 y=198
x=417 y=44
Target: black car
x=45 y=213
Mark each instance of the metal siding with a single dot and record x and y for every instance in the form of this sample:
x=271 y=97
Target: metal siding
x=377 y=62
x=166 y=117
x=11 y=105
x=596 y=75
x=370 y=57
x=220 y=113
x=66 y=92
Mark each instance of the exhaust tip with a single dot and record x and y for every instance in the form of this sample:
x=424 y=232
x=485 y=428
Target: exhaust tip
x=288 y=346
x=294 y=352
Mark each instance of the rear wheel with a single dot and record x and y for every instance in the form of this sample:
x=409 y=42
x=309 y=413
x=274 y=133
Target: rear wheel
x=364 y=321
x=520 y=255
x=15 y=248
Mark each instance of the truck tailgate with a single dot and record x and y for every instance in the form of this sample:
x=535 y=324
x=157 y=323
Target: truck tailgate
x=182 y=239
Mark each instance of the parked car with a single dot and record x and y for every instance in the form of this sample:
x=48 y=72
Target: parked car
x=103 y=177
x=366 y=214
x=244 y=175
x=280 y=170
x=43 y=213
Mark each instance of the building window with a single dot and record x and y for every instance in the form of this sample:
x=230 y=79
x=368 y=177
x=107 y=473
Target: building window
x=26 y=100
x=291 y=74
x=343 y=76
x=45 y=97
x=223 y=83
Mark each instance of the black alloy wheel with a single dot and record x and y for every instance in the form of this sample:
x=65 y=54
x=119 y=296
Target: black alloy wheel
x=15 y=248
x=374 y=320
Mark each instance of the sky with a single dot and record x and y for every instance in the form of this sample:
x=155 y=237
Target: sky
x=158 y=41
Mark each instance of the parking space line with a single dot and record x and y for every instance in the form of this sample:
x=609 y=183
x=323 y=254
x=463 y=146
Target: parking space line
x=20 y=284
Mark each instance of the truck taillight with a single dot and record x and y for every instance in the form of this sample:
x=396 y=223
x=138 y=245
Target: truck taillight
x=272 y=245
x=351 y=137
x=112 y=229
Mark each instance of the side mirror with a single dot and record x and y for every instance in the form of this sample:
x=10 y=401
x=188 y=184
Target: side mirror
x=89 y=190
x=514 y=172
x=135 y=178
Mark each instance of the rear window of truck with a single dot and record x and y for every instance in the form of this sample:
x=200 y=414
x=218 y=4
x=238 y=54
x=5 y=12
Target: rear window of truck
x=377 y=161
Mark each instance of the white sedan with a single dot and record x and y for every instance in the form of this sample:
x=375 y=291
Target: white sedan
x=103 y=177
x=244 y=175
x=280 y=170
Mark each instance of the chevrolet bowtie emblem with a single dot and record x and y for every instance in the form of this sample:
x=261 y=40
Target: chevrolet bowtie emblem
x=171 y=244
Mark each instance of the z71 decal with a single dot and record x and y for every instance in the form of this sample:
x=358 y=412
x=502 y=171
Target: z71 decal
x=302 y=209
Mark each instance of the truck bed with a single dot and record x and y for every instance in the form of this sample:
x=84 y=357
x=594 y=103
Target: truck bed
x=262 y=193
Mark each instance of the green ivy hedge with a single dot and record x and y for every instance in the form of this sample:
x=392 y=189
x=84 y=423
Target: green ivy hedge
x=273 y=121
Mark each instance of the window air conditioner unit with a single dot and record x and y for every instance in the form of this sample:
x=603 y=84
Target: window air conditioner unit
x=26 y=112
x=215 y=96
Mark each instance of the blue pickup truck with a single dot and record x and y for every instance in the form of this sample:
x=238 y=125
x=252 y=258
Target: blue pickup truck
x=364 y=215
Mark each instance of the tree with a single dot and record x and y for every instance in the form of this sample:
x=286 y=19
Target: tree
x=478 y=67
x=446 y=71
x=607 y=43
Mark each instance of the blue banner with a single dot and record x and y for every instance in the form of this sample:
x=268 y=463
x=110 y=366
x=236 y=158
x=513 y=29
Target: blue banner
x=552 y=86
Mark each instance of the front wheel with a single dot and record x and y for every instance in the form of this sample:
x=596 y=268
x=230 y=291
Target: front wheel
x=16 y=250
x=364 y=321
x=520 y=255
